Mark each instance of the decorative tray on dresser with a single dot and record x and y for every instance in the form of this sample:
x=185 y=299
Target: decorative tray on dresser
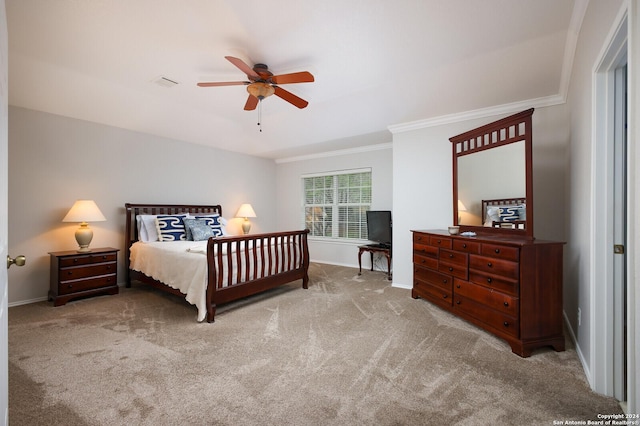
x=508 y=285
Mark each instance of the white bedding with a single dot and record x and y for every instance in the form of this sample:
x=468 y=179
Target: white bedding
x=182 y=265
x=179 y=264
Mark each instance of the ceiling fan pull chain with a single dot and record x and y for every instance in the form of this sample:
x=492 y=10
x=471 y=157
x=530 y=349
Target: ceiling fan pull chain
x=260 y=114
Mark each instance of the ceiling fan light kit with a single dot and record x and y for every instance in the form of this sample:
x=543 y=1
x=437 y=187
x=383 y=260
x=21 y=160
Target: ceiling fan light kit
x=262 y=83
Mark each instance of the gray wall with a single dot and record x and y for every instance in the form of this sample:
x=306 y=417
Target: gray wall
x=55 y=160
x=289 y=198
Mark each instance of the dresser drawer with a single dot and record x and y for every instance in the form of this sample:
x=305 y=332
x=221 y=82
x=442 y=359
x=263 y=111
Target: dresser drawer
x=427 y=262
x=425 y=250
x=454 y=257
x=434 y=278
x=86 y=271
x=460 y=271
x=495 y=282
x=486 y=296
x=466 y=246
x=87 y=259
x=497 y=320
x=419 y=238
x=491 y=265
x=437 y=241
x=68 y=287
x=434 y=293
x=501 y=252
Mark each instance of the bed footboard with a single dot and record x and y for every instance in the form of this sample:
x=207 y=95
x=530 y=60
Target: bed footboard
x=246 y=265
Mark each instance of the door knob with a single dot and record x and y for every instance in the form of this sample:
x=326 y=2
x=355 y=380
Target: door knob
x=18 y=261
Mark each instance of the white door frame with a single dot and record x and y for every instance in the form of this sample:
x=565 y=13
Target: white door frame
x=602 y=295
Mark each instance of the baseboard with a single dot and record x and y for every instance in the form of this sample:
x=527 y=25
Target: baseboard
x=572 y=336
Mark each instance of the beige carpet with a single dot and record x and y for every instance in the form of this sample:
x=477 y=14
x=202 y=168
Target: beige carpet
x=349 y=350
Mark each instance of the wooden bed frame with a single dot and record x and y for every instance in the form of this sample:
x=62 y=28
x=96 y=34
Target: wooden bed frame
x=287 y=262
x=517 y=224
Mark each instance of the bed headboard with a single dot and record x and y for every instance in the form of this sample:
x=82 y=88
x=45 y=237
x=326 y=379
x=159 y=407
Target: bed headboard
x=500 y=202
x=133 y=210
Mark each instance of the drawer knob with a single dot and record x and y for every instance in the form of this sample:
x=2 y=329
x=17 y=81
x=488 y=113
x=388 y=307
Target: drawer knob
x=444 y=296
x=424 y=261
x=464 y=245
x=489 y=264
x=444 y=280
x=450 y=269
x=458 y=286
x=75 y=260
x=497 y=251
x=104 y=257
x=451 y=256
x=108 y=266
x=506 y=324
x=69 y=273
x=506 y=303
x=70 y=286
x=489 y=280
x=457 y=302
x=419 y=238
x=438 y=241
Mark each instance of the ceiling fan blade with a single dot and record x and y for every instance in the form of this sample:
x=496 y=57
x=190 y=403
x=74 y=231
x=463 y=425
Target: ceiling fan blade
x=243 y=67
x=252 y=103
x=223 y=83
x=290 y=97
x=296 y=77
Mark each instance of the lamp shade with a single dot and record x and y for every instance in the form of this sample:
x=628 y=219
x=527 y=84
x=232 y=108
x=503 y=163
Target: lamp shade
x=461 y=207
x=246 y=210
x=84 y=211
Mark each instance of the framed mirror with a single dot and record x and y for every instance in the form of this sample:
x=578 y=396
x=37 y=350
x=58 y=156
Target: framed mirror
x=492 y=177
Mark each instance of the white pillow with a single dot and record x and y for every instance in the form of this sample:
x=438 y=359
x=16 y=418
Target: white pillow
x=147 y=227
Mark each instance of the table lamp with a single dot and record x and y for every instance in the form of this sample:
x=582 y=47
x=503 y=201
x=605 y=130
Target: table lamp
x=461 y=208
x=246 y=211
x=84 y=211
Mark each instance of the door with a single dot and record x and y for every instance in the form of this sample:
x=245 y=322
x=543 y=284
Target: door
x=4 y=165
x=620 y=234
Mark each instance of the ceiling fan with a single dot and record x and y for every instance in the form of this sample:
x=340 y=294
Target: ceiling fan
x=262 y=83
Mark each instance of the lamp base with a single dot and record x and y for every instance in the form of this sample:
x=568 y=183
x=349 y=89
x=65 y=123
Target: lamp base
x=84 y=235
x=246 y=226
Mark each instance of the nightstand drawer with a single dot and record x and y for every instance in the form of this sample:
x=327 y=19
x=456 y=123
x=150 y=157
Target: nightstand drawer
x=68 y=287
x=87 y=259
x=87 y=271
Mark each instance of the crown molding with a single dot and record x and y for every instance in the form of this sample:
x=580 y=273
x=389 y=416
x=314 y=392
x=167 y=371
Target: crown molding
x=358 y=150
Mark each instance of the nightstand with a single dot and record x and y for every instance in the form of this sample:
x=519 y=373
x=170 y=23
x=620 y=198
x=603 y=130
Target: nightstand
x=75 y=274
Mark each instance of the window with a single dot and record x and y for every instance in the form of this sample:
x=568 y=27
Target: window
x=335 y=204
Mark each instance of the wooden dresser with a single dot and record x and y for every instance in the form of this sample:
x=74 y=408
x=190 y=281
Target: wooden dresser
x=509 y=286
x=75 y=275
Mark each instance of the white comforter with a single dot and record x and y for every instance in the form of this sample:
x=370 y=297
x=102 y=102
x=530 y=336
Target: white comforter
x=179 y=264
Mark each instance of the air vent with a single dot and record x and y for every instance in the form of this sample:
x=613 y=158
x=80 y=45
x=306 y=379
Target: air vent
x=165 y=82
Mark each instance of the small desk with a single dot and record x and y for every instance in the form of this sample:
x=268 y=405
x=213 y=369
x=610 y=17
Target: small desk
x=374 y=248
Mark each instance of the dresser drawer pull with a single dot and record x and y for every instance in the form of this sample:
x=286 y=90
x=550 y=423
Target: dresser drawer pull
x=450 y=269
x=489 y=264
x=69 y=273
x=439 y=242
x=489 y=280
x=104 y=257
x=444 y=281
x=451 y=256
x=75 y=260
x=419 y=238
x=506 y=303
x=457 y=302
x=506 y=324
x=497 y=251
x=70 y=286
x=424 y=261
x=464 y=245
x=445 y=296
x=458 y=286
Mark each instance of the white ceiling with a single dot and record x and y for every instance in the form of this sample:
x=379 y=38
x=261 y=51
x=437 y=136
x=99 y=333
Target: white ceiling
x=376 y=63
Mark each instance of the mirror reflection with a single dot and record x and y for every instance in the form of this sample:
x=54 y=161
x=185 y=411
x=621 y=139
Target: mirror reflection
x=496 y=173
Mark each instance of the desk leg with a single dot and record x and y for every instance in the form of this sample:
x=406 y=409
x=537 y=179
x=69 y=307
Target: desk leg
x=360 y=261
x=371 y=260
x=388 y=267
